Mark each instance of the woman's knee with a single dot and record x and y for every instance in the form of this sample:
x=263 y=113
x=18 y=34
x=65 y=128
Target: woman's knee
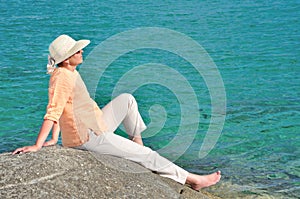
x=129 y=97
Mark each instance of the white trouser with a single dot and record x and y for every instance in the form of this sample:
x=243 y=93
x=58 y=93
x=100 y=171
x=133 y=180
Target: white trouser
x=123 y=109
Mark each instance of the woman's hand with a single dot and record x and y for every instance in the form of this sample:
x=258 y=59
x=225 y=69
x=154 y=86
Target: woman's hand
x=50 y=142
x=44 y=131
x=26 y=149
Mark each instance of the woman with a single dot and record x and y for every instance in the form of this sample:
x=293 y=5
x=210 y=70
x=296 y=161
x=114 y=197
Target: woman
x=84 y=126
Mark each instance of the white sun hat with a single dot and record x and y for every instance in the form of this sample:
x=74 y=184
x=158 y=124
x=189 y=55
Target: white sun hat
x=62 y=48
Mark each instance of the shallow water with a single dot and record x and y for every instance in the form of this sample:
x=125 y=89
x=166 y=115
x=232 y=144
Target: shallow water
x=255 y=46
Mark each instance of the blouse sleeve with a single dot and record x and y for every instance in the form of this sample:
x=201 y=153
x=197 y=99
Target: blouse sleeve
x=60 y=90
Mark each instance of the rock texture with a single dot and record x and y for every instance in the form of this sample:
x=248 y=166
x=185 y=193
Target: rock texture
x=58 y=172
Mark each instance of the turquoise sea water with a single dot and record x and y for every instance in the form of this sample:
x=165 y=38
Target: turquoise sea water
x=255 y=45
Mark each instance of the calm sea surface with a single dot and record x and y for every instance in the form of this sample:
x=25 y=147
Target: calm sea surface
x=255 y=45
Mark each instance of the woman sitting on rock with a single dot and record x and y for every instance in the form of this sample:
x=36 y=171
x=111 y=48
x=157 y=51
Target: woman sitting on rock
x=84 y=126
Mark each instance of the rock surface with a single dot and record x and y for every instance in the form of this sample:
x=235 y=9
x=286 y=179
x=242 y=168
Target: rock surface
x=58 y=172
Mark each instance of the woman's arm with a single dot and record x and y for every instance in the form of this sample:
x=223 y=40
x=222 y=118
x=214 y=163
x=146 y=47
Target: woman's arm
x=55 y=134
x=43 y=134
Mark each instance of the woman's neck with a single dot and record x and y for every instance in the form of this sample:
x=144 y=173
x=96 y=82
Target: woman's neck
x=69 y=67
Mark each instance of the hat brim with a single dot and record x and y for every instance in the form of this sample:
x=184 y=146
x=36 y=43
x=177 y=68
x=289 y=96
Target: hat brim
x=80 y=44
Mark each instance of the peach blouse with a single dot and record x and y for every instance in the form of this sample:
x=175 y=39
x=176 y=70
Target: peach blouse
x=71 y=105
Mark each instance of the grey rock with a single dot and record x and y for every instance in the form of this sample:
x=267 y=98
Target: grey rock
x=58 y=172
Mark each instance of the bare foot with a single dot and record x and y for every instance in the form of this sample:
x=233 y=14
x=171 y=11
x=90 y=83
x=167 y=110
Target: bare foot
x=198 y=182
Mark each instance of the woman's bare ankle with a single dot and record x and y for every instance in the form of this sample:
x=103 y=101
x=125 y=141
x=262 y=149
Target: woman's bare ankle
x=138 y=140
x=198 y=182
